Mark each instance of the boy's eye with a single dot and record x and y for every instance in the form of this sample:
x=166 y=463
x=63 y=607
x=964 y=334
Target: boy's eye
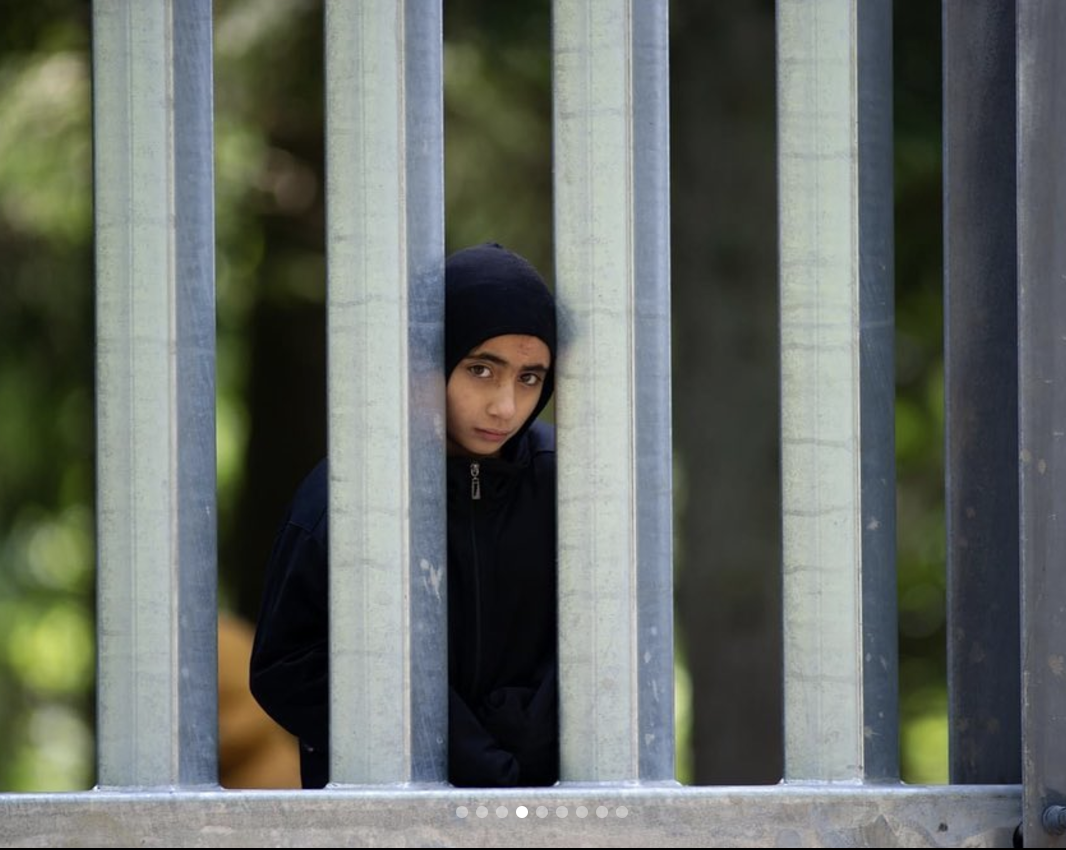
x=479 y=370
x=531 y=379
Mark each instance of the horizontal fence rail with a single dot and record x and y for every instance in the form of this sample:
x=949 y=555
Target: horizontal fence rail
x=601 y=816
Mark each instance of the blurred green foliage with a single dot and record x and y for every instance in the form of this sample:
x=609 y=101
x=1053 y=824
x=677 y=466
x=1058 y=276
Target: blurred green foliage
x=921 y=538
x=46 y=399
x=269 y=251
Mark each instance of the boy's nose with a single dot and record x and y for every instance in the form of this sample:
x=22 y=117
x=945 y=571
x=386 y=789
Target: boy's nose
x=502 y=404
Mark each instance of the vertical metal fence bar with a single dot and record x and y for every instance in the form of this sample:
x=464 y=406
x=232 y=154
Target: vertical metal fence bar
x=388 y=607
x=1041 y=27
x=652 y=369
x=981 y=390
x=613 y=412
x=838 y=481
x=877 y=391
x=154 y=210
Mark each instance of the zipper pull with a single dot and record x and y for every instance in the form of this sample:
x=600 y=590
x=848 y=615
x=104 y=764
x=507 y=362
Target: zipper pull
x=475 y=481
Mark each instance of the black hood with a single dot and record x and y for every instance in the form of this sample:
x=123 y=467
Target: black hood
x=491 y=291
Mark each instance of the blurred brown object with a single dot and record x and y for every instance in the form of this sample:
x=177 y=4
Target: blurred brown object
x=254 y=752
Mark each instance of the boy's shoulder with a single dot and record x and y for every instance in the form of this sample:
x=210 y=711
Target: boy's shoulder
x=311 y=500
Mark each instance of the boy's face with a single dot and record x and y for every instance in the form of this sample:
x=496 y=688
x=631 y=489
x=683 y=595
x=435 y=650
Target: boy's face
x=493 y=391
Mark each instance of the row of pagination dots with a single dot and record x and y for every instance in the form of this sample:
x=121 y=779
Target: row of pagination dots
x=540 y=811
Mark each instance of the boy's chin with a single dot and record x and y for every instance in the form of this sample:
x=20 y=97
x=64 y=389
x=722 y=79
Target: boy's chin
x=474 y=448
x=477 y=450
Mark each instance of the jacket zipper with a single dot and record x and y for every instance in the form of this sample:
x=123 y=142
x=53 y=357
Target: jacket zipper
x=475 y=495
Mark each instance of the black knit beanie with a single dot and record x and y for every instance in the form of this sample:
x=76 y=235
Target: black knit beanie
x=490 y=291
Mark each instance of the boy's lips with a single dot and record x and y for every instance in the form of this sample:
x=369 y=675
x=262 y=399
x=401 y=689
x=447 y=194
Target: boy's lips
x=491 y=435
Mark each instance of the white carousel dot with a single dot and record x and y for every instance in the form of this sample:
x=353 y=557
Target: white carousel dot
x=501 y=811
x=621 y=811
x=542 y=811
x=582 y=811
x=601 y=811
x=561 y=811
x=521 y=811
x=482 y=811
x=461 y=812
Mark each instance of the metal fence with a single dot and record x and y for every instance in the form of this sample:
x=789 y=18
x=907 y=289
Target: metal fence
x=1005 y=238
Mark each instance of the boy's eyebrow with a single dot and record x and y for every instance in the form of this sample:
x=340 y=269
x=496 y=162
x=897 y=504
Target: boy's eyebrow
x=495 y=358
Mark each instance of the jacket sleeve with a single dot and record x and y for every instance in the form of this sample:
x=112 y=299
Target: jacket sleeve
x=525 y=722
x=475 y=757
x=512 y=738
x=289 y=671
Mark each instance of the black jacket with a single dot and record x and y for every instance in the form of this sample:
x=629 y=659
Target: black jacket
x=503 y=716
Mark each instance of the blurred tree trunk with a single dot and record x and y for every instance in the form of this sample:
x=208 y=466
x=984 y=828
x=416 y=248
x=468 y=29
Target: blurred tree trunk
x=285 y=326
x=286 y=438
x=725 y=385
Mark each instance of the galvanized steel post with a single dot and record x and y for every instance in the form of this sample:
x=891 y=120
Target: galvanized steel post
x=981 y=390
x=385 y=211
x=837 y=317
x=154 y=208
x=1042 y=412
x=612 y=247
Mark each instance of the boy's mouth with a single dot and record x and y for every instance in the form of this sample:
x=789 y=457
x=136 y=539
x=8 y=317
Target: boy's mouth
x=492 y=436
